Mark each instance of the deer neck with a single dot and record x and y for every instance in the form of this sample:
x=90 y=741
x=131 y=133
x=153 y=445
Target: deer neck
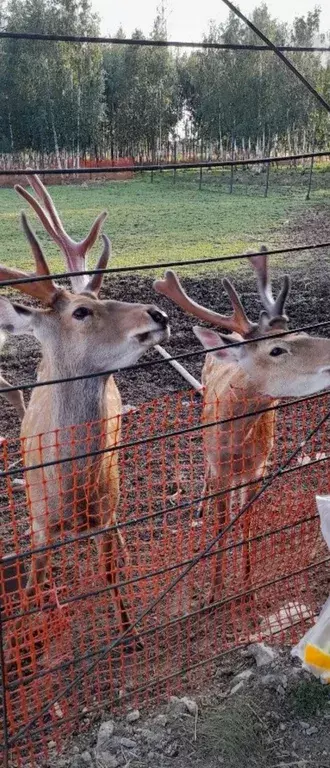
x=71 y=402
x=230 y=390
x=85 y=416
x=243 y=393
x=79 y=402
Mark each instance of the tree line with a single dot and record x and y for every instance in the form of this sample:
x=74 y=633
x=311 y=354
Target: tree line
x=120 y=100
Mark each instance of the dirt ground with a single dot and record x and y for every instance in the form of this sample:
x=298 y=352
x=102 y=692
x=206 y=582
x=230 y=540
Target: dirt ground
x=271 y=715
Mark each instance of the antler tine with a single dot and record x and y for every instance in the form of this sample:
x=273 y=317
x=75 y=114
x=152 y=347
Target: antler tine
x=47 y=224
x=41 y=264
x=273 y=307
x=243 y=325
x=44 y=290
x=46 y=199
x=238 y=321
x=75 y=253
x=96 y=280
x=282 y=296
x=94 y=232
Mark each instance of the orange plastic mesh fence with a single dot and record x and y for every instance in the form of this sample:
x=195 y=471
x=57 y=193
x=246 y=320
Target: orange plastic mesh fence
x=86 y=587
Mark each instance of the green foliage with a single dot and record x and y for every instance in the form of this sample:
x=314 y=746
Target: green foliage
x=142 y=96
x=309 y=698
x=249 y=94
x=50 y=93
x=80 y=99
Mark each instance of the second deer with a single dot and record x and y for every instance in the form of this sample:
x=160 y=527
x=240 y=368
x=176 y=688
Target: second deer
x=79 y=335
x=243 y=379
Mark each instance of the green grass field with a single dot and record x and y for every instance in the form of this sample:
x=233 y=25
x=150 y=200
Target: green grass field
x=161 y=221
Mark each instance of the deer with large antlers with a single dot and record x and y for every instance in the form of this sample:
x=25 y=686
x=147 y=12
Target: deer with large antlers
x=244 y=378
x=79 y=335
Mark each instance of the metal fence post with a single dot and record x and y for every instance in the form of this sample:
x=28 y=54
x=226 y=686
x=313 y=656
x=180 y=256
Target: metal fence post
x=200 y=178
x=231 y=180
x=310 y=179
x=267 y=179
x=232 y=167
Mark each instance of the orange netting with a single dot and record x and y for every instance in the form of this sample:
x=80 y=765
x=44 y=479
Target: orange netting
x=53 y=638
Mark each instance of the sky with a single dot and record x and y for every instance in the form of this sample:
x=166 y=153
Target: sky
x=184 y=23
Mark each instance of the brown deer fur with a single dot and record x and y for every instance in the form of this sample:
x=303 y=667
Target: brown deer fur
x=242 y=379
x=79 y=335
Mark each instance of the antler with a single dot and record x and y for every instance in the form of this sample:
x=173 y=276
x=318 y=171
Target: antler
x=238 y=321
x=45 y=290
x=273 y=307
x=75 y=253
x=95 y=283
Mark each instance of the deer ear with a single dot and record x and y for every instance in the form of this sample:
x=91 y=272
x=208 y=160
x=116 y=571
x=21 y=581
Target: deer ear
x=16 y=318
x=211 y=339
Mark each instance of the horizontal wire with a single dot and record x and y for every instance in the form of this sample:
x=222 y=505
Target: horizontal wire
x=160 y=627
x=145 y=687
x=136 y=168
x=246 y=506
x=162 y=361
x=127 y=694
x=154 y=603
x=159 y=265
x=166 y=569
x=186 y=617
x=184 y=506
x=149 y=685
x=124 y=694
x=165 y=625
x=6 y=35
x=154 y=438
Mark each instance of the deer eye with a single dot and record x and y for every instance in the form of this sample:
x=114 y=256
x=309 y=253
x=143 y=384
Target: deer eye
x=277 y=351
x=81 y=312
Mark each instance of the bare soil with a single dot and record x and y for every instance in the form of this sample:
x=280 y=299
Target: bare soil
x=275 y=716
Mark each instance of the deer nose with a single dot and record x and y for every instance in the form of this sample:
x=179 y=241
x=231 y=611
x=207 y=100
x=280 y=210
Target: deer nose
x=158 y=316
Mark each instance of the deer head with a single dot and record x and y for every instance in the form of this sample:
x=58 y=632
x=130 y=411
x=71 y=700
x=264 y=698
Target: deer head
x=287 y=366
x=78 y=332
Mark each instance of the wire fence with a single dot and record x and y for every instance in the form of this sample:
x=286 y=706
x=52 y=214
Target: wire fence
x=291 y=173
x=170 y=591
x=55 y=139
x=70 y=637
x=189 y=570
x=172 y=150
x=59 y=150
x=126 y=568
